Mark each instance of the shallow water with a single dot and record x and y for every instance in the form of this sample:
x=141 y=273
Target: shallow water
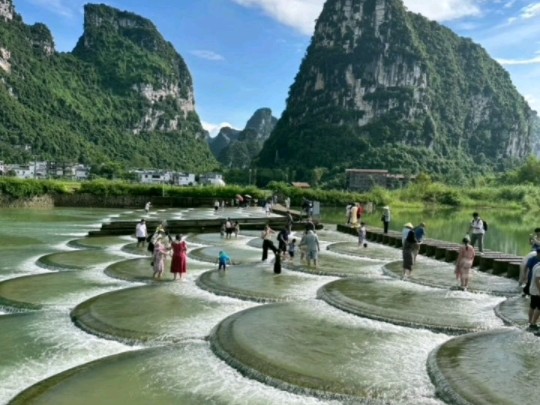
x=303 y=351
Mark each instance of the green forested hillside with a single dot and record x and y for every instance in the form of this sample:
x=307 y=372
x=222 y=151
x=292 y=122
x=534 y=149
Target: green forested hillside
x=122 y=95
x=384 y=88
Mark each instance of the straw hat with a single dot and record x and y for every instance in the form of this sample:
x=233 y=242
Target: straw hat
x=408 y=225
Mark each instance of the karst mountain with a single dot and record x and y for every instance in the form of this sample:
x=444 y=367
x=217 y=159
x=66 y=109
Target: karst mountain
x=381 y=87
x=123 y=95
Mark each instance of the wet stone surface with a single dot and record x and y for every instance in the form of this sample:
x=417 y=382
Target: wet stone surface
x=414 y=306
x=439 y=274
x=469 y=369
x=259 y=283
x=309 y=348
x=77 y=260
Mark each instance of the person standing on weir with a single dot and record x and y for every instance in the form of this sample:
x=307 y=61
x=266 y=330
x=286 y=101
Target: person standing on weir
x=141 y=233
x=477 y=232
x=386 y=218
x=266 y=235
x=534 y=308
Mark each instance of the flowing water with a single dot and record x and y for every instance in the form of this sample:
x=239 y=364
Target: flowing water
x=82 y=322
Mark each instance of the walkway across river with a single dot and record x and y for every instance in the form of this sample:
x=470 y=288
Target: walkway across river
x=499 y=263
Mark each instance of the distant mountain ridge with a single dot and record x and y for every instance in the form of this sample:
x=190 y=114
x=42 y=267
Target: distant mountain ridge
x=384 y=88
x=236 y=149
x=124 y=95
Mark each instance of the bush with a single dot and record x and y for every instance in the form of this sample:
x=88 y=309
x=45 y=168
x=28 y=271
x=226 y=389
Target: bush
x=22 y=188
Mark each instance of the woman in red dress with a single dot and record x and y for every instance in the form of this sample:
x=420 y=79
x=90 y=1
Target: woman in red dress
x=179 y=258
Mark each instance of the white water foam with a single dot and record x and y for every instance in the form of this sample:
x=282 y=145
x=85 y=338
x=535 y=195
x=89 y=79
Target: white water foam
x=64 y=347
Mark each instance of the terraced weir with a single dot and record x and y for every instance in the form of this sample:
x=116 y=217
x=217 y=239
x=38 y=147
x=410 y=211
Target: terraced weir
x=82 y=322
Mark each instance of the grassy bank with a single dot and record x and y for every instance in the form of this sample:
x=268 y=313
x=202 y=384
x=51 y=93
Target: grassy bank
x=417 y=195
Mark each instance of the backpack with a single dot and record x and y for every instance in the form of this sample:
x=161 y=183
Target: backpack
x=484 y=224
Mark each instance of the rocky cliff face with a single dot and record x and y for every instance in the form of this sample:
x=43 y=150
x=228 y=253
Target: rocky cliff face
x=262 y=122
x=384 y=88
x=6 y=10
x=124 y=95
x=237 y=149
x=225 y=136
x=164 y=82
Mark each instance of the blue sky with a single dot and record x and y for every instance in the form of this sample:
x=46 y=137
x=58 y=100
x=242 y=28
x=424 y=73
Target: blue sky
x=245 y=54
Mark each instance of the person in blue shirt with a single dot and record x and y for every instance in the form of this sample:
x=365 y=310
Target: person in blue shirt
x=223 y=260
x=533 y=261
x=420 y=232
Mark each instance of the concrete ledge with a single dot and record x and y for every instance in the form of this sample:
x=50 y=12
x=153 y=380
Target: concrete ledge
x=494 y=262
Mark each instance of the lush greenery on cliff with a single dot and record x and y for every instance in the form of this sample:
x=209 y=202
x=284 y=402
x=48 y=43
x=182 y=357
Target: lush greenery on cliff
x=87 y=107
x=383 y=88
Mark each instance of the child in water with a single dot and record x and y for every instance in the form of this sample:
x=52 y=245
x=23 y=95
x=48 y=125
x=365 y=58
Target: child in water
x=222 y=260
x=362 y=235
x=292 y=249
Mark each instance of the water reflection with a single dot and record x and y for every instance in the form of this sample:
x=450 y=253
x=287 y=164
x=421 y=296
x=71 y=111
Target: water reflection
x=508 y=229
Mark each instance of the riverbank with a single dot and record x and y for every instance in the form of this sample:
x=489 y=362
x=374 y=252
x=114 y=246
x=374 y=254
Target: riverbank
x=113 y=194
x=44 y=201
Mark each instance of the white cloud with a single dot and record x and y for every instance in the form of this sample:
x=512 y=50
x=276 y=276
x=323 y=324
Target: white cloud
x=298 y=14
x=209 y=55
x=61 y=7
x=515 y=62
x=213 y=129
x=444 y=10
x=531 y=11
x=301 y=14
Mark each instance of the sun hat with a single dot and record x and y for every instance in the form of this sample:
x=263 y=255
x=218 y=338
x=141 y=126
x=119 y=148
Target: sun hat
x=408 y=225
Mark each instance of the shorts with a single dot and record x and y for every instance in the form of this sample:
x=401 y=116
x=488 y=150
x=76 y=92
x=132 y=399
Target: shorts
x=291 y=254
x=313 y=255
x=535 y=302
x=141 y=239
x=282 y=246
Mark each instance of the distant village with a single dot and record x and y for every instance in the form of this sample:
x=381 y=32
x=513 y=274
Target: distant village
x=360 y=180
x=79 y=172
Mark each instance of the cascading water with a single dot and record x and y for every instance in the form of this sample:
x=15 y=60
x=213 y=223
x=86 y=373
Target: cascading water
x=93 y=327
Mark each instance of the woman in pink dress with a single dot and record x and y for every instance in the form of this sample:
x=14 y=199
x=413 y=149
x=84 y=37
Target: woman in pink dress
x=464 y=263
x=179 y=258
x=160 y=254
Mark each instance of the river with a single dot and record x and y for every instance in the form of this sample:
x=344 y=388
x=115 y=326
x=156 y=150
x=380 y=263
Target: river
x=82 y=322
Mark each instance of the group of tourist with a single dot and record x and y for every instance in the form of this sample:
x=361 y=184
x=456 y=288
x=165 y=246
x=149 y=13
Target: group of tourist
x=229 y=228
x=354 y=213
x=160 y=244
x=529 y=278
x=287 y=247
x=412 y=238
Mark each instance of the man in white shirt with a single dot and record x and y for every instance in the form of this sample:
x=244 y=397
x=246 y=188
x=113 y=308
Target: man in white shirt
x=534 y=289
x=477 y=232
x=141 y=233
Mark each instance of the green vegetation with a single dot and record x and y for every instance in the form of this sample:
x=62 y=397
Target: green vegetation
x=429 y=101
x=87 y=106
x=18 y=188
x=519 y=189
